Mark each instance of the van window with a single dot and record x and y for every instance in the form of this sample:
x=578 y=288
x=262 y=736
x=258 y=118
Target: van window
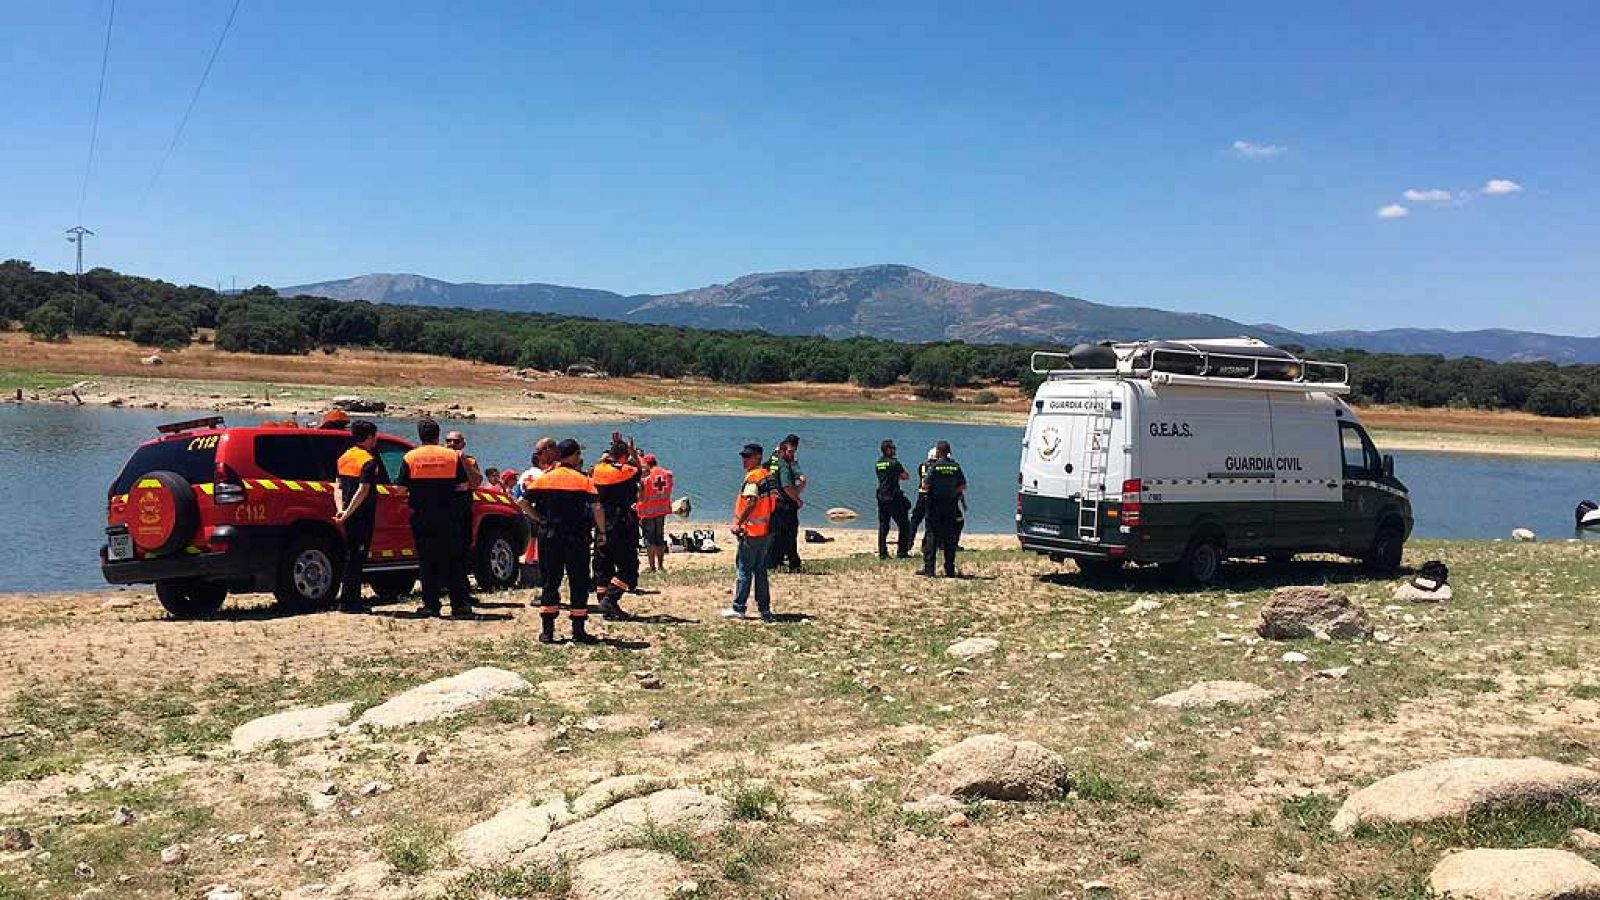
x=193 y=458
x=300 y=457
x=1360 y=457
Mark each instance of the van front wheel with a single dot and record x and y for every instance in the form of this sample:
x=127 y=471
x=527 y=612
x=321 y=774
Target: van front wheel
x=1387 y=548
x=1201 y=562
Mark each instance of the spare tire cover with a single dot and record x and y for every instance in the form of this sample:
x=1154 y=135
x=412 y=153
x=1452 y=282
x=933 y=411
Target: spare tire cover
x=162 y=512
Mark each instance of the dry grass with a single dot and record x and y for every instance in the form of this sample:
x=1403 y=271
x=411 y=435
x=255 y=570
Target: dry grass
x=811 y=728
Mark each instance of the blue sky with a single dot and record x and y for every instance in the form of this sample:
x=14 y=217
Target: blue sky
x=655 y=147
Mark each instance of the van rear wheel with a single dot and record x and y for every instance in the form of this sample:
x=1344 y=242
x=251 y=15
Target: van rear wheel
x=190 y=598
x=1201 y=562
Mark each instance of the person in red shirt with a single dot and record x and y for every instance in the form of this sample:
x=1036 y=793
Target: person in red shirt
x=655 y=501
x=752 y=526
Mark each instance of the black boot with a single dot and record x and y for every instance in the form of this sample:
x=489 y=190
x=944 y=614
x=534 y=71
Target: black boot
x=611 y=607
x=547 y=628
x=580 y=631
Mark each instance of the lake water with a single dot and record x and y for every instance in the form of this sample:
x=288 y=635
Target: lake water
x=56 y=462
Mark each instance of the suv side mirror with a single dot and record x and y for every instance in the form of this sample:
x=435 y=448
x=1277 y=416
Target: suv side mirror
x=1388 y=465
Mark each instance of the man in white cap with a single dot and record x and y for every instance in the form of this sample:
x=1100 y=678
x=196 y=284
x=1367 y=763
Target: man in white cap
x=920 y=511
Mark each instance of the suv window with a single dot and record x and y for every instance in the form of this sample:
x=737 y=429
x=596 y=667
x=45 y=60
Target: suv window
x=195 y=458
x=300 y=457
x=1360 y=457
x=390 y=454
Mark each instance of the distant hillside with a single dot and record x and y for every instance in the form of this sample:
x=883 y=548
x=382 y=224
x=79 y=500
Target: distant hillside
x=906 y=304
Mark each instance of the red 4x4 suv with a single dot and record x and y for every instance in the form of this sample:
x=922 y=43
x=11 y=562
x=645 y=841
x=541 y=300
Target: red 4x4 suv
x=205 y=509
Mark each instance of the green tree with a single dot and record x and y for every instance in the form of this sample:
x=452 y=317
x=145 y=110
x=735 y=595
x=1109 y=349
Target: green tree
x=49 y=322
x=947 y=366
x=156 y=329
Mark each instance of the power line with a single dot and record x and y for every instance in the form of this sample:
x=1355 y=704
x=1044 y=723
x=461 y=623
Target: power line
x=100 y=93
x=193 y=99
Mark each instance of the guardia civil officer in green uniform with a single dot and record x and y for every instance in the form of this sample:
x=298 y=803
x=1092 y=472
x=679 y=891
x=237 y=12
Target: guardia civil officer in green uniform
x=892 y=502
x=946 y=486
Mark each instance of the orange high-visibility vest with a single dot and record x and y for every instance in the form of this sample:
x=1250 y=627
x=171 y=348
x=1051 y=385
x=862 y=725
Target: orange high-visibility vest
x=353 y=461
x=431 y=461
x=655 y=494
x=759 y=520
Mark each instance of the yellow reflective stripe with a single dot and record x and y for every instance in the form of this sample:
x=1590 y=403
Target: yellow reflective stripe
x=407 y=552
x=294 y=485
x=149 y=482
x=383 y=489
x=318 y=486
x=206 y=488
x=267 y=484
x=386 y=554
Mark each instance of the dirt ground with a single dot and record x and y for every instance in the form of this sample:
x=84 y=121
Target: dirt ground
x=816 y=723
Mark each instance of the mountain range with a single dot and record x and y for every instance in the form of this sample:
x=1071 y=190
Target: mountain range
x=906 y=304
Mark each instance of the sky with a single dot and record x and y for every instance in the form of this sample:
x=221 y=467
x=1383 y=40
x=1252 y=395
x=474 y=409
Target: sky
x=1319 y=166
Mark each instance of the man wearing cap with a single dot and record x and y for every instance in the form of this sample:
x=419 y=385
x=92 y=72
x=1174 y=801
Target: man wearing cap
x=457 y=441
x=431 y=474
x=355 y=509
x=752 y=523
x=655 y=501
x=947 y=494
x=563 y=502
x=920 y=510
x=785 y=548
x=892 y=503
x=616 y=563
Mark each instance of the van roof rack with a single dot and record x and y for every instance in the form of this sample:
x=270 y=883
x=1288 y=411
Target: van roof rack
x=1231 y=362
x=190 y=425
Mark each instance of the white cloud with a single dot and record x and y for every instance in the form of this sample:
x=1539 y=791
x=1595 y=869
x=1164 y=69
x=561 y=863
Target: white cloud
x=1434 y=195
x=1393 y=211
x=1250 y=150
x=1499 y=186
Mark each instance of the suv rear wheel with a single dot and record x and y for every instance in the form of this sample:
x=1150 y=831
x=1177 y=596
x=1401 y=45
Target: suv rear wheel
x=308 y=572
x=494 y=558
x=189 y=598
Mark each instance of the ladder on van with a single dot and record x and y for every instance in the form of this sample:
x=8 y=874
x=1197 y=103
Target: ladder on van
x=1098 y=445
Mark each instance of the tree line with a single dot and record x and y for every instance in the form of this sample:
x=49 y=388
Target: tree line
x=160 y=314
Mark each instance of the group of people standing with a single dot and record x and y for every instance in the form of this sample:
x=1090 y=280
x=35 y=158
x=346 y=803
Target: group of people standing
x=941 y=503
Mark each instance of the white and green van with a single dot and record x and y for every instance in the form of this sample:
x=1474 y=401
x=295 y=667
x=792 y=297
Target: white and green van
x=1185 y=453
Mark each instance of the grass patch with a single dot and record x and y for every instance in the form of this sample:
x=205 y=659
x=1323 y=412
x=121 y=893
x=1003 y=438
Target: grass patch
x=413 y=847
x=516 y=882
x=754 y=800
x=1510 y=827
x=1308 y=812
x=674 y=842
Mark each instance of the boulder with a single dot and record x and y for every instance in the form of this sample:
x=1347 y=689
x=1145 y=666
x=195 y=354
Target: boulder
x=1214 y=693
x=994 y=767
x=14 y=839
x=694 y=812
x=1533 y=874
x=630 y=875
x=291 y=726
x=1523 y=534
x=1455 y=787
x=972 y=648
x=356 y=404
x=1410 y=593
x=513 y=830
x=842 y=514
x=444 y=698
x=1302 y=612
x=153 y=359
x=612 y=791
x=682 y=506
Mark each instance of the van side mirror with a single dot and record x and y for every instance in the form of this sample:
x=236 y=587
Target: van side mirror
x=1388 y=465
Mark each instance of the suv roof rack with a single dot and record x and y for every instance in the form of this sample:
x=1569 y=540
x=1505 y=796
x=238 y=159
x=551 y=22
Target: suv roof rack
x=190 y=425
x=1230 y=362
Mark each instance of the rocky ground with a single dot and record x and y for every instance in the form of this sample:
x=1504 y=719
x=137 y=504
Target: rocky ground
x=994 y=736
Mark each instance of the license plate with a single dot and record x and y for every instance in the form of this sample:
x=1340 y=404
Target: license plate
x=1044 y=528
x=119 y=547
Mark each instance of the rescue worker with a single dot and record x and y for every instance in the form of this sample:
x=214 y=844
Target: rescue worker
x=616 y=564
x=920 y=510
x=565 y=506
x=753 y=510
x=431 y=475
x=786 y=520
x=457 y=441
x=892 y=502
x=655 y=502
x=947 y=496
x=355 y=509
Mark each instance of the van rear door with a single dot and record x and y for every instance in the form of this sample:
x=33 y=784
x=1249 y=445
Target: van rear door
x=1065 y=460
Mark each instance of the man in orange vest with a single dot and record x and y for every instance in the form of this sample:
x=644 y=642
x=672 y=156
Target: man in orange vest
x=565 y=507
x=752 y=525
x=616 y=564
x=655 y=501
x=355 y=509
x=457 y=441
x=430 y=473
